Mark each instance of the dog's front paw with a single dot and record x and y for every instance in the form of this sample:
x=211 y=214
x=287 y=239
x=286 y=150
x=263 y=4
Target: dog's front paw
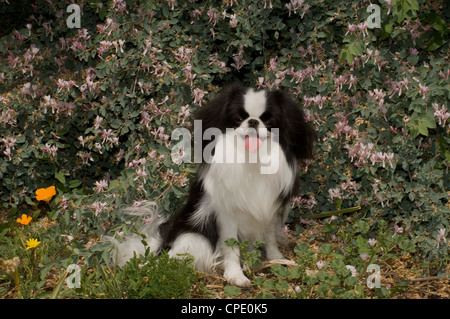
x=236 y=278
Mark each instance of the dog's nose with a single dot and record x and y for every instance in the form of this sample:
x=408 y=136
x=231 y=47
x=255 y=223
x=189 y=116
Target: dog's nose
x=253 y=123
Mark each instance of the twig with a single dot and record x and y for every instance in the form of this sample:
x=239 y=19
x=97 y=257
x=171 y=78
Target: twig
x=214 y=286
x=267 y=264
x=426 y=279
x=212 y=275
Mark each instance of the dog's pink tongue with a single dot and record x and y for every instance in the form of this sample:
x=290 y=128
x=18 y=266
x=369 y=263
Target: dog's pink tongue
x=252 y=143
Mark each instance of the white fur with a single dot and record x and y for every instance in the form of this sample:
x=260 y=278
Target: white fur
x=133 y=244
x=255 y=102
x=198 y=247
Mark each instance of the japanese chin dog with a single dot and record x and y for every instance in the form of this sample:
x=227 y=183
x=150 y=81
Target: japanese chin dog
x=251 y=143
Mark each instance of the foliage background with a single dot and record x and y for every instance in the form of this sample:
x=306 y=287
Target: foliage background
x=91 y=110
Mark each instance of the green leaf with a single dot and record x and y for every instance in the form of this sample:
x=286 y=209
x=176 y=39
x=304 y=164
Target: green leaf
x=421 y=122
x=435 y=42
x=75 y=183
x=231 y=291
x=265 y=295
x=280 y=271
x=232 y=242
x=294 y=273
x=406 y=246
x=387 y=27
x=362 y=244
x=282 y=285
x=326 y=249
x=356 y=48
x=60 y=177
x=270 y=284
x=302 y=248
x=345 y=55
x=58 y=287
x=101 y=65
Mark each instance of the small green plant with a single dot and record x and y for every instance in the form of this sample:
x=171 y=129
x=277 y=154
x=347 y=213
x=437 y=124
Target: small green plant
x=147 y=276
x=160 y=277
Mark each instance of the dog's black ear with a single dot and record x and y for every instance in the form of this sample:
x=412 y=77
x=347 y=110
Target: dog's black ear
x=296 y=134
x=214 y=113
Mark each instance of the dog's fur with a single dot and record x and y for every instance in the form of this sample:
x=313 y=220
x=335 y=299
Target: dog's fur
x=233 y=200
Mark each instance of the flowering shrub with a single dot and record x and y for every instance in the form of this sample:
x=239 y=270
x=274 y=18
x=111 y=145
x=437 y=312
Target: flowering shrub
x=94 y=107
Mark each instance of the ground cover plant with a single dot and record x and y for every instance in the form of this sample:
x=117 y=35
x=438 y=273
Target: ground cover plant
x=87 y=112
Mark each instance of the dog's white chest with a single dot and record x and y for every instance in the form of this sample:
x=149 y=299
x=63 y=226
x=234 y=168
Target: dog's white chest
x=247 y=191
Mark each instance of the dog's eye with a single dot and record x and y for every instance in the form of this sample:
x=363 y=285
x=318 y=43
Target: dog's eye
x=268 y=122
x=239 y=118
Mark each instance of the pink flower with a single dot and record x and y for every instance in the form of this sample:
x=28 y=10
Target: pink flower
x=183 y=114
x=351 y=28
x=119 y=6
x=140 y=172
x=372 y=242
x=238 y=58
x=85 y=157
x=233 y=21
x=100 y=186
x=352 y=81
x=98 y=207
x=213 y=16
x=397 y=230
x=198 y=96
x=106 y=135
x=51 y=150
x=363 y=28
x=339 y=82
x=441 y=114
x=63 y=84
x=442 y=75
x=98 y=122
x=389 y=4
x=12 y=60
x=441 y=236
x=335 y=193
x=270 y=4
x=295 y=5
x=423 y=90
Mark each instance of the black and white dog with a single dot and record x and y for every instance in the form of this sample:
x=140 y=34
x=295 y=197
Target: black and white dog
x=243 y=186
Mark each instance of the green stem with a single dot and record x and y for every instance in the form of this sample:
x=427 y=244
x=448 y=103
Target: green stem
x=17 y=282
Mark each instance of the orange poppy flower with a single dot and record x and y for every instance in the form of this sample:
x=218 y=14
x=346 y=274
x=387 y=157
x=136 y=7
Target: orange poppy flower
x=24 y=220
x=45 y=194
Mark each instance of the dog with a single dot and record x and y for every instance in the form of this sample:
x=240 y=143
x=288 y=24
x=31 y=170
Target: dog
x=252 y=142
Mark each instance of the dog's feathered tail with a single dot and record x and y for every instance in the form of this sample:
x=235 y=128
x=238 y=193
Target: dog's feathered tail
x=131 y=244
